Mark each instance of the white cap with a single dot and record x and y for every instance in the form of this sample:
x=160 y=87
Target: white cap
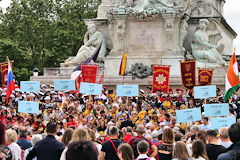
x=43 y=85
x=165 y=127
x=47 y=98
x=32 y=95
x=142 y=91
x=154 y=134
x=176 y=129
x=162 y=124
x=110 y=123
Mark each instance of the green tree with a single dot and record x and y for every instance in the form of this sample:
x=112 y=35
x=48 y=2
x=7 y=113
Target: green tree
x=43 y=33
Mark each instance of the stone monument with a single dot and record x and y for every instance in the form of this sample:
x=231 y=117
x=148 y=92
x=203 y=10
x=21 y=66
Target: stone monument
x=154 y=32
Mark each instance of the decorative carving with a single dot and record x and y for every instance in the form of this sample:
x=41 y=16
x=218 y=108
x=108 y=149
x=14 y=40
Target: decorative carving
x=201 y=8
x=183 y=31
x=140 y=70
x=92 y=39
x=204 y=45
x=121 y=33
x=150 y=9
x=169 y=27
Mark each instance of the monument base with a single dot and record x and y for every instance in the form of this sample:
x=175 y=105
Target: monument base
x=111 y=69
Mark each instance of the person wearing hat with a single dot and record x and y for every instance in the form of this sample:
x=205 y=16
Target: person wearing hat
x=134 y=142
x=52 y=87
x=65 y=96
x=32 y=97
x=141 y=92
x=28 y=97
x=41 y=96
x=47 y=102
x=47 y=92
x=43 y=87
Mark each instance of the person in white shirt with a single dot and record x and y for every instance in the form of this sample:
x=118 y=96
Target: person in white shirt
x=205 y=126
x=143 y=148
x=14 y=147
x=224 y=138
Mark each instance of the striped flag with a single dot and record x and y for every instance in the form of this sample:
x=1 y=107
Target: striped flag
x=123 y=63
x=10 y=82
x=232 y=78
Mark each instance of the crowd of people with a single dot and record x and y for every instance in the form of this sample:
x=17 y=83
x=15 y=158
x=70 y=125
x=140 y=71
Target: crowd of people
x=72 y=126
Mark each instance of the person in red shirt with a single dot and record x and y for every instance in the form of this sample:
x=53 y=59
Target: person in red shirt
x=128 y=135
x=134 y=141
x=38 y=124
x=71 y=122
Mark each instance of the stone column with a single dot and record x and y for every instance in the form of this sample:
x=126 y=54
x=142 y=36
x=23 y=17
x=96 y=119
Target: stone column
x=169 y=19
x=105 y=6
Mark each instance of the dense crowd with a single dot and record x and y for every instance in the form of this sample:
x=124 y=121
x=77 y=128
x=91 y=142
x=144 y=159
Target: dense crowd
x=72 y=126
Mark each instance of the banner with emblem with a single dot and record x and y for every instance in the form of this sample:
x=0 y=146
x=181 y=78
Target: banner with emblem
x=4 y=73
x=205 y=76
x=188 y=73
x=161 y=78
x=89 y=73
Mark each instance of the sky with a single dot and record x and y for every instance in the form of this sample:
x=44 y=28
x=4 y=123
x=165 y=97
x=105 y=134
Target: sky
x=231 y=14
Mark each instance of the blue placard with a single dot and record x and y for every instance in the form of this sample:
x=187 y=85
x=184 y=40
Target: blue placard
x=217 y=123
x=91 y=88
x=30 y=86
x=219 y=109
x=28 y=107
x=63 y=85
x=187 y=115
x=127 y=90
x=202 y=92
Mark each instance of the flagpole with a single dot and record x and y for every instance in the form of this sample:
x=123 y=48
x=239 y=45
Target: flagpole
x=6 y=61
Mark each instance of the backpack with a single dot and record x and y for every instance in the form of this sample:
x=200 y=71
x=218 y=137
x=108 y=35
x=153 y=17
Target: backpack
x=135 y=142
x=235 y=154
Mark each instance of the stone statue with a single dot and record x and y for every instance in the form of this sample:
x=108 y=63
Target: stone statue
x=92 y=40
x=204 y=46
x=183 y=31
x=141 y=4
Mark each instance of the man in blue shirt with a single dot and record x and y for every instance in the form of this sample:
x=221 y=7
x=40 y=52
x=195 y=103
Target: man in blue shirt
x=48 y=148
x=22 y=141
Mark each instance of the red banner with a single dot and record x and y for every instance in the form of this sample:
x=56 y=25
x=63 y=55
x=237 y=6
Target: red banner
x=4 y=73
x=89 y=73
x=205 y=76
x=161 y=78
x=188 y=72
